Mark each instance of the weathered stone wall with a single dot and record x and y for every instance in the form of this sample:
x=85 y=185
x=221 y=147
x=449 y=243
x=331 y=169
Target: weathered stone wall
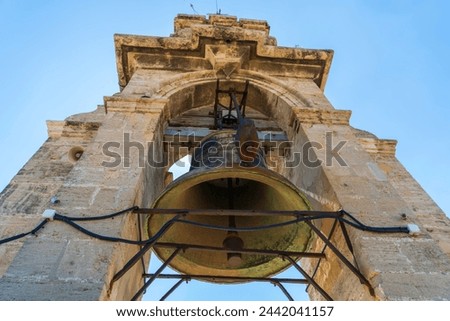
x=423 y=208
x=399 y=266
x=63 y=262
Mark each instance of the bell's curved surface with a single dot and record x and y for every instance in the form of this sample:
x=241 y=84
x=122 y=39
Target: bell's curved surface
x=231 y=186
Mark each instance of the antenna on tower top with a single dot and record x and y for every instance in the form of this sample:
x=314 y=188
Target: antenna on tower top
x=217 y=8
x=193 y=9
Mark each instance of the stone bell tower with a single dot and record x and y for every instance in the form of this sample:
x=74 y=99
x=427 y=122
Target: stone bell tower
x=364 y=227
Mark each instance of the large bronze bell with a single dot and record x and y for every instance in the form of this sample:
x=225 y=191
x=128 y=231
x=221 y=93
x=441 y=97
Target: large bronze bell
x=219 y=179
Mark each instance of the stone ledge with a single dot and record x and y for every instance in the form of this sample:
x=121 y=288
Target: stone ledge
x=320 y=116
x=183 y=21
x=69 y=128
x=134 y=104
x=184 y=50
x=378 y=146
x=12 y=289
x=55 y=128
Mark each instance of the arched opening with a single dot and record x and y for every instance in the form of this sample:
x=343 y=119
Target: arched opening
x=224 y=291
x=193 y=100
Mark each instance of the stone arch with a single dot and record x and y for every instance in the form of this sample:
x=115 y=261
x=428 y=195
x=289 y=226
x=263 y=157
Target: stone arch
x=197 y=89
x=266 y=94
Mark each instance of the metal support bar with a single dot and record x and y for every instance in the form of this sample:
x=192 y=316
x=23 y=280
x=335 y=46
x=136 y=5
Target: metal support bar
x=230 y=108
x=310 y=280
x=236 y=106
x=139 y=218
x=173 y=288
x=342 y=258
x=239 y=108
x=333 y=228
x=349 y=242
x=227 y=212
x=150 y=281
x=223 y=91
x=143 y=250
x=243 y=251
x=283 y=289
x=302 y=216
x=216 y=103
x=244 y=98
x=131 y=262
x=189 y=277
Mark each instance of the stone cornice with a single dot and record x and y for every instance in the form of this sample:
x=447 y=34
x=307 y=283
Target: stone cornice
x=221 y=43
x=55 y=128
x=378 y=146
x=134 y=104
x=70 y=128
x=320 y=116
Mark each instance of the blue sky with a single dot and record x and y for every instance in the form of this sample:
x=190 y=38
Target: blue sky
x=391 y=66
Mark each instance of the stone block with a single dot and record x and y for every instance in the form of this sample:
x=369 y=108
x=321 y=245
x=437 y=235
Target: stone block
x=380 y=255
x=425 y=256
x=84 y=260
x=77 y=196
x=26 y=198
x=415 y=286
x=49 y=290
x=38 y=259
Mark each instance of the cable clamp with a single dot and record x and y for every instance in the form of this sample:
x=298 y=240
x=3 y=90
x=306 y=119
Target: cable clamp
x=413 y=229
x=49 y=214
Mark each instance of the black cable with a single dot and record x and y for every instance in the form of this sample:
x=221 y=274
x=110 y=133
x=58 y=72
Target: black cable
x=162 y=230
x=360 y=226
x=71 y=221
x=344 y=212
x=364 y=227
x=102 y=217
x=16 y=237
x=240 y=229
x=144 y=249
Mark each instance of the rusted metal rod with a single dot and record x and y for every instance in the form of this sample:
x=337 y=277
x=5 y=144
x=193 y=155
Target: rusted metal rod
x=152 y=278
x=310 y=279
x=227 y=212
x=343 y=259
x=243 y=251
x=173 y=288
x=189 y=277
x=284 y=290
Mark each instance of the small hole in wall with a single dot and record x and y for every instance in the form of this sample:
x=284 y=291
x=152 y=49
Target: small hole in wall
x=75 y=153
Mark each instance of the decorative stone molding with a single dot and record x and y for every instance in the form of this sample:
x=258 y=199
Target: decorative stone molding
x=55 y=128
x=70 y=128
x=183 y=21
x=187 y=50
x=227 y=59
x=131 y=104
x=320 y=116
x=378 y=146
